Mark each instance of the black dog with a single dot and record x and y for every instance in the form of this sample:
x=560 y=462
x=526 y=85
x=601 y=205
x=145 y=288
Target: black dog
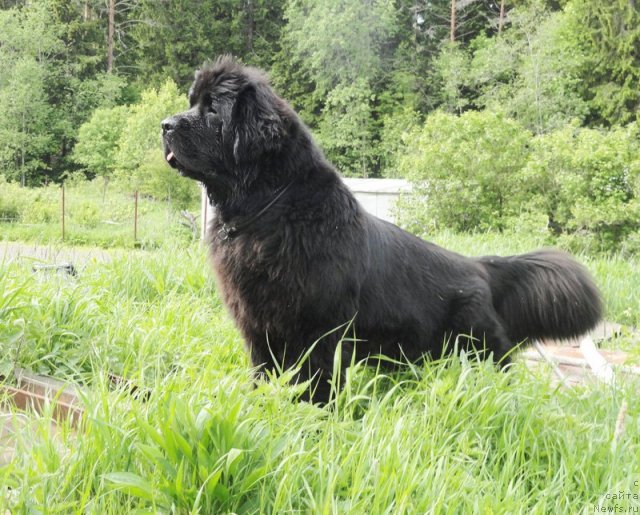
x=296 y=255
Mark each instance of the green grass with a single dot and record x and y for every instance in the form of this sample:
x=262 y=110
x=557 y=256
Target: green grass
x=442 y=437
x=92 y=217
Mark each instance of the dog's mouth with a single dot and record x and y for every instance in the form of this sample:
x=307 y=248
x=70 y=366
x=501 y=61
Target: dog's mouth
x=173 y=161
x=171 y=158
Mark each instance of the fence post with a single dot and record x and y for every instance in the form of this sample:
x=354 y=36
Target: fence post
x=135 y=217
x=62 y=210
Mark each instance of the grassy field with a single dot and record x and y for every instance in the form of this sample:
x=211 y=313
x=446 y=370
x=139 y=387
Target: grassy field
x=93 y=216
x=439 y=437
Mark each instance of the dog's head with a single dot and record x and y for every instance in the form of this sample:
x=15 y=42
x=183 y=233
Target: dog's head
x=234 y=123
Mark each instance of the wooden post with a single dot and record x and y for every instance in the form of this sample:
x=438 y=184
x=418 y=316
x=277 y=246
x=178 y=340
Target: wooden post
x=204 y=222
x=62 y=210
x=135 y=217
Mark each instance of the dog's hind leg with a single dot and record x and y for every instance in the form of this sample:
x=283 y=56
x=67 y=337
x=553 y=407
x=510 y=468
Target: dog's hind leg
x=262 y=355
x=319 y=369
x=478 y=318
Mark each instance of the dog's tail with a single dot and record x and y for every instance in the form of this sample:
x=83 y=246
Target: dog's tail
x=543 y=294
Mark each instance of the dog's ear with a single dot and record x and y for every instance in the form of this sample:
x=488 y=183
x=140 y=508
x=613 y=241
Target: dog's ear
x=258 y=123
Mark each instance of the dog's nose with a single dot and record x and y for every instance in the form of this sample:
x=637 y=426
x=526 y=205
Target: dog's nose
x=167 y=124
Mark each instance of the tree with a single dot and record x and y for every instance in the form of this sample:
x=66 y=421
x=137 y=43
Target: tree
x=97 y=144
x=467 y=170
x=173 y=38
x=452 y=71
x=340 y=42
x=609 y=33
x=345 y=128
x=29 y=40
x=532 y=71
x=343 y=55
x=141 y=131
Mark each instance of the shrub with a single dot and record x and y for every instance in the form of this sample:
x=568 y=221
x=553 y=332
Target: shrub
x=9 y=201
x=157 y=179
x=86 y=214
x=141 y=130
x=587 y=182
x=40 y=205
x=97 y=140
x=466 y=171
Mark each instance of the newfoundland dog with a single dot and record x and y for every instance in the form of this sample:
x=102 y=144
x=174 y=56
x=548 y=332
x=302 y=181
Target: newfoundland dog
x=296 y=256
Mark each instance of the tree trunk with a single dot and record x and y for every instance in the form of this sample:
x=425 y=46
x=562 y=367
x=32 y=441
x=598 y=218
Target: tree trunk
x=110 y=34
x=249 y=24
x=453 y=20
x=501 y=19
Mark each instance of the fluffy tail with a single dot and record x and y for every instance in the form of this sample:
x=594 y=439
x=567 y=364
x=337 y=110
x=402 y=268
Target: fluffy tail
x=543 y=294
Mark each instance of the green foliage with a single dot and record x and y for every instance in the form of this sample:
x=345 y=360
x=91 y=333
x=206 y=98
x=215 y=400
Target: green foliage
x=29 y=38
x=340 y=50
x=467 y=170
x=588 y=182
x=98 y=138
x=125 y=140
x=206 y=439
x=10 y=203
x=396 y=129
x=345 y=128
x=609 y=32
x=340 y=42
x=136 y=148
x=532 y=73
x=162 y=49
x=141 y=131
x=155 y=178
x=29 y=205
x=480 y=171
x=94 y=215
x=363 y=75
x=452 y=70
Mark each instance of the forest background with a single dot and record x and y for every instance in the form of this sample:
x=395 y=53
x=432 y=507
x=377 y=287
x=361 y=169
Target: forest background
x=504 y=114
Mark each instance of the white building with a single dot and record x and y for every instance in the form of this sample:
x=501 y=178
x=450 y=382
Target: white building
x=378 y=196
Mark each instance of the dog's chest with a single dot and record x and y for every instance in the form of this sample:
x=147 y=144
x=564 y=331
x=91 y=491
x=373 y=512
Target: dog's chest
x=259 y=281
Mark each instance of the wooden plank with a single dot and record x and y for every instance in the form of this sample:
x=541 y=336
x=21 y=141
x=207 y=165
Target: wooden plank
x=573 y=356
x=46 y=386
x=31 y=401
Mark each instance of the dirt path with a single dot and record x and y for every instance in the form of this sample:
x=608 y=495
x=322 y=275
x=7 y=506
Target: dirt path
x=55 y=254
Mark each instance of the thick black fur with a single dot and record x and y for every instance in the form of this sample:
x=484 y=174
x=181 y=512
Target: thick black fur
x=315 y=260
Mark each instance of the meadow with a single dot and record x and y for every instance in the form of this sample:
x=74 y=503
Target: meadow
x=94 y=215
x=444 y=436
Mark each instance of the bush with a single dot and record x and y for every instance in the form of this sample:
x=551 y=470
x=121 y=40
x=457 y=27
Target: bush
x=141 y=130
x=40 y=205
x=97 y=140
x=154 y=177
x=466 y=171
x=9 y=201
x=86 y=214
x=587 y=182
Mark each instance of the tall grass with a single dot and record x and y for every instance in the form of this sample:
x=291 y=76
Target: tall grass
x=93 y=216
x=449 y=436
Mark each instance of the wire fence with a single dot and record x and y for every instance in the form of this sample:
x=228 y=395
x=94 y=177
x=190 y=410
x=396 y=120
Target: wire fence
x=82 y=215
